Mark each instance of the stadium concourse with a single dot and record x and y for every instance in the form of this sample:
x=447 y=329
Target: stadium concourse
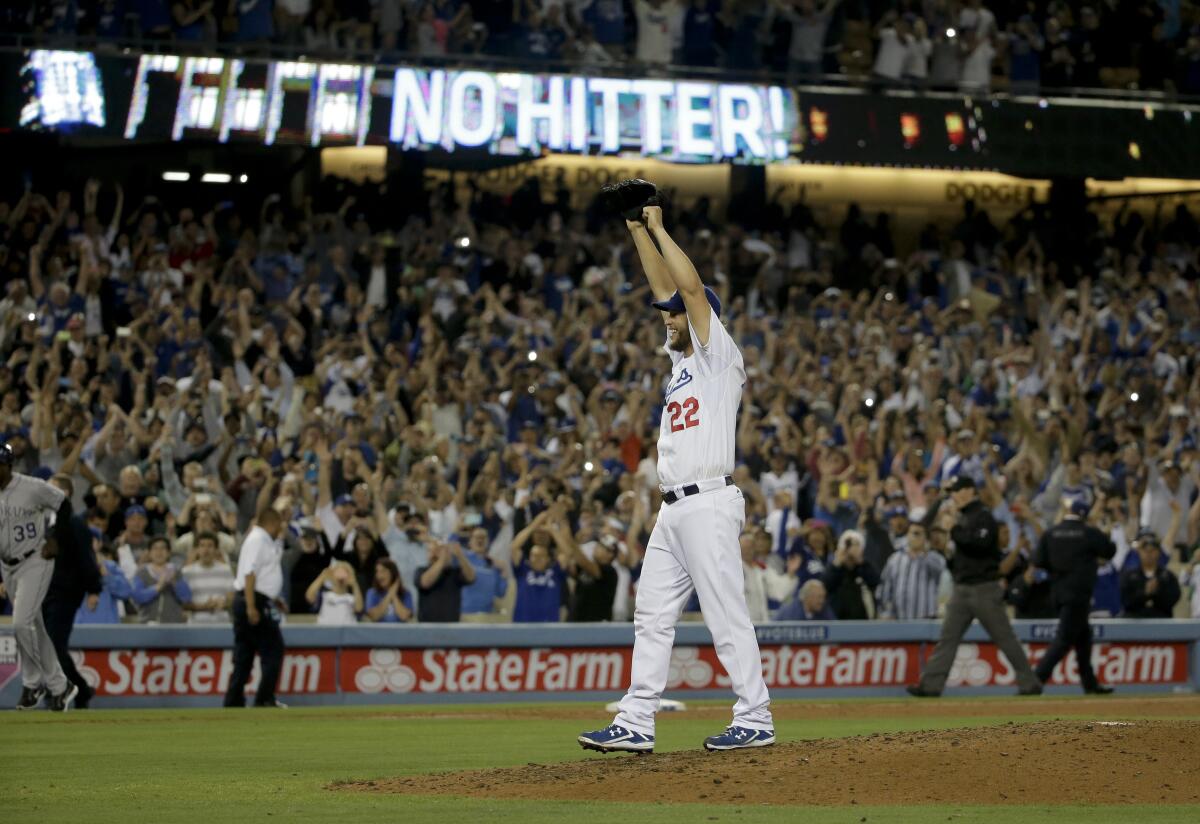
x=396 y=382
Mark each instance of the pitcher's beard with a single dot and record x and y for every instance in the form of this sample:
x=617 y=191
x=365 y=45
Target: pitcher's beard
x=680 y=342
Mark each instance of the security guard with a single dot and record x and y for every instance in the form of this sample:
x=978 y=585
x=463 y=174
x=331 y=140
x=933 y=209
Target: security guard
x=256 y=612
x=1071 y=551
x=978 y=593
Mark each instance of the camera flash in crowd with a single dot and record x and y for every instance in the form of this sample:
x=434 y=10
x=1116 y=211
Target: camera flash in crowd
x=950 y=33
x=532 y=356
x=588 y=466
x=464 y=242
x=1133 y=396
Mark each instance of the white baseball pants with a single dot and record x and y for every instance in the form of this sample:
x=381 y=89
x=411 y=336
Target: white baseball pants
x=695 y=544
x=27 y=584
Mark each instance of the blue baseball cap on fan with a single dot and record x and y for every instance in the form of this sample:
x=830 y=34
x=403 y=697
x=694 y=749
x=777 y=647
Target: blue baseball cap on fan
x=675 y=303
x=1079 y=507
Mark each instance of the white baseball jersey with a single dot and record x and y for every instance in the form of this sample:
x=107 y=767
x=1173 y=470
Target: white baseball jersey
x=28 y=507
x=261 y=554
x=697 y=433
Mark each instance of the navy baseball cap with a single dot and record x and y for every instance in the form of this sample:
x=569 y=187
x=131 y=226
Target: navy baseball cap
x=136 y=509
x=343 y=500
x=962 y=482
x=675 y=302
x=1080 y=507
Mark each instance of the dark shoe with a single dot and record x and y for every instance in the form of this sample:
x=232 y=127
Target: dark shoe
x=737 y=738
x=1035 y=690
x=86 y=694
x=916 y=690
x=30 y=698
x=1098 y=689
x=62 y=701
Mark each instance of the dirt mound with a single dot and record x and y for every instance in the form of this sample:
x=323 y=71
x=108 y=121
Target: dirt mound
x=1048 y=762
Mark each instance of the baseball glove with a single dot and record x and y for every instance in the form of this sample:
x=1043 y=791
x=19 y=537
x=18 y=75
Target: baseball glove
x=628 y=197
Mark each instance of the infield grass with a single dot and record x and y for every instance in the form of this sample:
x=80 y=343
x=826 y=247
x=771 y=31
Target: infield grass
x=213 y=766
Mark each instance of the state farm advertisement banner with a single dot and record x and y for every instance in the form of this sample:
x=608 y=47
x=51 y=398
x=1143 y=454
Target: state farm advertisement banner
x=162 y=672
x=499 y=670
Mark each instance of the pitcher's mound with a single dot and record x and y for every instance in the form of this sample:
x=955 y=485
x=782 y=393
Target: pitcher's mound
x=1049 y=762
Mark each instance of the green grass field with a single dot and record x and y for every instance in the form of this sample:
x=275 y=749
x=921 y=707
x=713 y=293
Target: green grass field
x=214 y=766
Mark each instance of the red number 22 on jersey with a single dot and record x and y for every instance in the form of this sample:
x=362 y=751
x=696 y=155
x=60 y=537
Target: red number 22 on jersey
x=688 y=410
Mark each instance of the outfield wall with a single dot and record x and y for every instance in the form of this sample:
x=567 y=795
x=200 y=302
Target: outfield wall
x=189 y=666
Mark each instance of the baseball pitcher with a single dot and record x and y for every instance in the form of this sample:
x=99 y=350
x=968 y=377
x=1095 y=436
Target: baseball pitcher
x=695 y=540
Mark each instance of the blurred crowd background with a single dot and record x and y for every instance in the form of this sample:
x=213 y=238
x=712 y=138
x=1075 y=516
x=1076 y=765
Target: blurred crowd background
x=455 y=405
x=974 y=45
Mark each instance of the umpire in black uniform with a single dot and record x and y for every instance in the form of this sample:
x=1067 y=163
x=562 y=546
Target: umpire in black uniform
x=978 y=593
x=1071 y=551
x=76 y=575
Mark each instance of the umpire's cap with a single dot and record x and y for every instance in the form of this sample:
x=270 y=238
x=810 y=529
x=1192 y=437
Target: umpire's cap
x=962 y=482
x=7 y=458
x=1079 y=507
x=675 y=302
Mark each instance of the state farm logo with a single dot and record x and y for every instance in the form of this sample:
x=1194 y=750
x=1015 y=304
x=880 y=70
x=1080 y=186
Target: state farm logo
x=687 y=669
x=969 y=669
x=88 y=674
x=385 y=672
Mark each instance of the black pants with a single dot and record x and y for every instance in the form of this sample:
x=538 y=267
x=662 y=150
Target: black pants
x=1074 y=632
x=263 y=639
x=58 y=612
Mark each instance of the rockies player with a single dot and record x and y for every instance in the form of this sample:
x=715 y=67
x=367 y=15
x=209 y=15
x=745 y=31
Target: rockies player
x=695 y=541
x=33 y=514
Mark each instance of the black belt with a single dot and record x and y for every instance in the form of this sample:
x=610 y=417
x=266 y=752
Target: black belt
x=690 y=489
x=12 y=562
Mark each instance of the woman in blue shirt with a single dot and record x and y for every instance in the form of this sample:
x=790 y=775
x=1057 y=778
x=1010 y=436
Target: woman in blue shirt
x=540 y=581
x=105 y=607
x=388 y=602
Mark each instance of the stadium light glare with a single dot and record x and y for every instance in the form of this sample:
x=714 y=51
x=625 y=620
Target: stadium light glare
x=243 y=178
x=216 y=177
x=176 y=177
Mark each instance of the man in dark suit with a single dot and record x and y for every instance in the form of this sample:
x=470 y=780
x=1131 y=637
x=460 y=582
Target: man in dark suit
x=978 y=594
x=76 y=576
x=1149 y=590
x=1071 y=551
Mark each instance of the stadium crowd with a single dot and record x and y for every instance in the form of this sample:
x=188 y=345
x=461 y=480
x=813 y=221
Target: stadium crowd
x=455 y=409
x=973 y=44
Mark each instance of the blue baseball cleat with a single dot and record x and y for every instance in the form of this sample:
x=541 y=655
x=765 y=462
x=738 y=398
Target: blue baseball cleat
x=614 y=738
x=736 y=738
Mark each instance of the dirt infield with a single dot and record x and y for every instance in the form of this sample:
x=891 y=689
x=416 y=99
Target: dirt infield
x=1047 y=762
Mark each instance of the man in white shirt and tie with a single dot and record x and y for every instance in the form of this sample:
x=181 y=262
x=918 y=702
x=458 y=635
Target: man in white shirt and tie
x=256 y=611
